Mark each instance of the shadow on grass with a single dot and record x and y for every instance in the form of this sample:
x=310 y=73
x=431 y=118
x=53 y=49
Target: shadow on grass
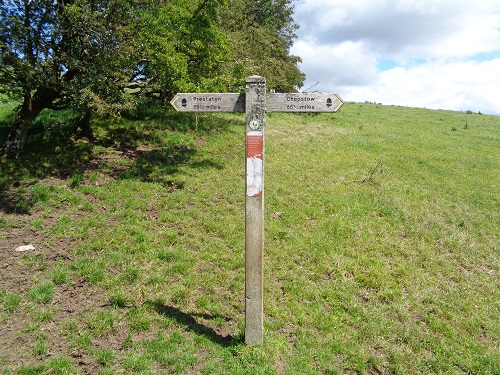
x=190 y=322
x=137 y=148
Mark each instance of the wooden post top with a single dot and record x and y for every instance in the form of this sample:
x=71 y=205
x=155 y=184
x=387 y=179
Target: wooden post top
x=255 y=79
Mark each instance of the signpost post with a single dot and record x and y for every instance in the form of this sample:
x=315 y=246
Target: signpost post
x=255 y=103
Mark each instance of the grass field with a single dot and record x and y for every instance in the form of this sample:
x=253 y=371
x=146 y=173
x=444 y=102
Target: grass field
x=382 y=245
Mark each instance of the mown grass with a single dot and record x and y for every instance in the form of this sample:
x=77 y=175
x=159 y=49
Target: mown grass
x=381 y=244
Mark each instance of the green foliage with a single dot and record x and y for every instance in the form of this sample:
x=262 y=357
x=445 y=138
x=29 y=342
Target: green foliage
x=60 y=51
x=99 y=57
x=181 y=47
x=261 y=34
x=106 y=57
x=100 y=48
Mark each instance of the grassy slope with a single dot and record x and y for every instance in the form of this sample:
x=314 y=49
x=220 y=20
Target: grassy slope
x=381 y=250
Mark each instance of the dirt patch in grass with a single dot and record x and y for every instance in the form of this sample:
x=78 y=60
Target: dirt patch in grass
x=32 y=332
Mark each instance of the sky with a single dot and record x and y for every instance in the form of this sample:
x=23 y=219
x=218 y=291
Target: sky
x=436 y=54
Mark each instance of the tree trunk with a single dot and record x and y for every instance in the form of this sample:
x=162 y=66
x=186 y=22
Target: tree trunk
x=14 y=144
x=31 y=108
x=83 y=125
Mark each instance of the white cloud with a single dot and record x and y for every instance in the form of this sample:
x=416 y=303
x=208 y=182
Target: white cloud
x=348 y=63
x=408 y=52
x=438 y=85
x=469 y=85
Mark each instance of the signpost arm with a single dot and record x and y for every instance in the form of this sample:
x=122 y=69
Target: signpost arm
x=254 y=210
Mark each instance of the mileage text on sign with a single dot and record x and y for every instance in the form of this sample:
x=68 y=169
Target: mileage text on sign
x=275 y=102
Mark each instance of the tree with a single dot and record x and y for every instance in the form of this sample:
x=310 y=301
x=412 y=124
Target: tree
x=85 y=54
x=181 y=47
x=59 y=54
x=262 y=33
x=98 y=55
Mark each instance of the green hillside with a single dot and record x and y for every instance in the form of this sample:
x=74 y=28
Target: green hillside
x=382 y=245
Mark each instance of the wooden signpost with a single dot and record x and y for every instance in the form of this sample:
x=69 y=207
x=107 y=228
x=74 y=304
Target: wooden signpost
x=255 y=103
x=294 y=102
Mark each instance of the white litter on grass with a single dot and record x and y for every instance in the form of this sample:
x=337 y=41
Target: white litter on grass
x=25 y=247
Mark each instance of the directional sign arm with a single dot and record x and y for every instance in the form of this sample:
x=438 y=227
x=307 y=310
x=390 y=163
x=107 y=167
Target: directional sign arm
x=207 y=102
x=304 y=102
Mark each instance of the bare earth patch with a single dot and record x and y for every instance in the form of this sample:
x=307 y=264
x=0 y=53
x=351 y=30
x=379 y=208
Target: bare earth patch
x=20 y=271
